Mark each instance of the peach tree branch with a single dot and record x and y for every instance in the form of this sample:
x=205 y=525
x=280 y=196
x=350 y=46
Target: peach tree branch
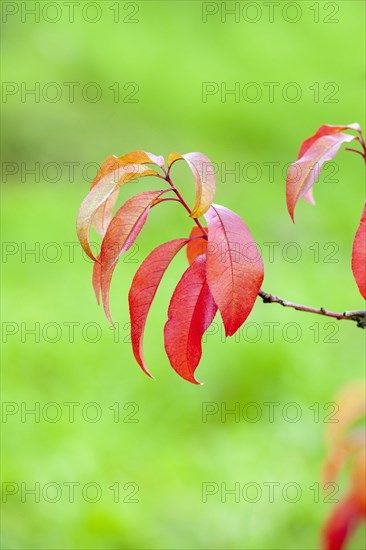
x=358 y=316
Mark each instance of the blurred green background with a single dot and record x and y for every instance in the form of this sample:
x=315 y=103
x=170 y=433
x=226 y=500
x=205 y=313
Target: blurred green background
x=149 y=62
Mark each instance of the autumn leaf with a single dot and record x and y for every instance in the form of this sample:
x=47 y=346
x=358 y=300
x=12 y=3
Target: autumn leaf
x=303 y=173
x=103 y=214
x=204 y=177
x=197 y=244
x=121 y=234
x=112 y=163
x=143 y=289
x=359 y=255
x=325 y=130
x=99 y=194
x=234 y=266
x=191 y=311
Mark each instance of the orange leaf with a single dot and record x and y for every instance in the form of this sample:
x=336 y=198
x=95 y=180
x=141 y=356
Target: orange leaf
x=99 y=194
x=196 y=246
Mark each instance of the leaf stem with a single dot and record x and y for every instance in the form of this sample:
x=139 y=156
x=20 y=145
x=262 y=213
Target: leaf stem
x=183 y=202
x=363 y=154
x=359 y=316
x=360 y=140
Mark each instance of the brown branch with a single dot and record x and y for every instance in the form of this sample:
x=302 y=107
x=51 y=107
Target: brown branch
x=358 y=316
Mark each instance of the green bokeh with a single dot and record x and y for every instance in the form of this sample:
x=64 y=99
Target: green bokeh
x=168 y=54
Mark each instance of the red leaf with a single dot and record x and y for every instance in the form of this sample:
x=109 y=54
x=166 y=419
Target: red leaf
x=359 y=255
x=234 y=266
x=204 y=177
x=191 y=311
x=326 y=130
x=303 y=173
x=100 y=193
x=143 y=290
x=121 y=234
x=341 y=524
x=196 y=246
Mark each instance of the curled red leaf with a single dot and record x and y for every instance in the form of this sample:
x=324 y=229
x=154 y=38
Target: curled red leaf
x=191 y=311
x=143 y=289
x=234 y=266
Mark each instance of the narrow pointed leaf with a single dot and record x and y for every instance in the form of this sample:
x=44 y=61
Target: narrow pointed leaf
x=196 y=246
x=99 y=194
x=303 y=173
x=359 y=255
x=326 y=130
x=191 y=311
x=204 y=177
x=234 y=266
x=121 y=234
x=143 y=289
x=104 y=213
x=112 y=163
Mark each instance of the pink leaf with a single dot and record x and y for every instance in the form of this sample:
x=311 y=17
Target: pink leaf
x=143 y=290
x=121 y=234
x=191 y=311
x=303 y=173
x=326 y=130
x=234 y=266
x=359 y=255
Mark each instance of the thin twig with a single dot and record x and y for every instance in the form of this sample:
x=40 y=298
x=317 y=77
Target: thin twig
x=355 y=151
x=358 y=316
x=181 y=199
